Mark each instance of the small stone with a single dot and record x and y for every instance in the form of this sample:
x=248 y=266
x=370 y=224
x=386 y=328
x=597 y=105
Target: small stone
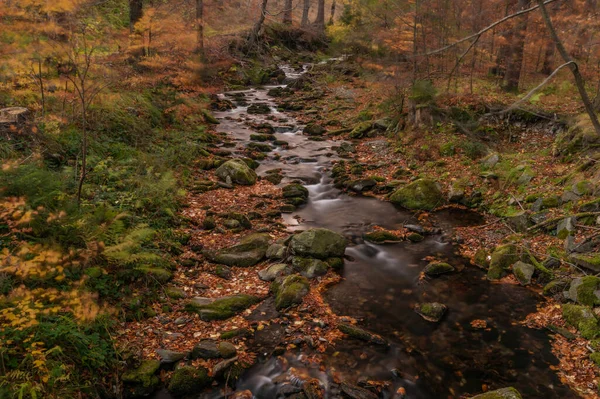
x=227 y=350
x=437 y=268
x=169 y=357
x=433 y=311
x=206 y=349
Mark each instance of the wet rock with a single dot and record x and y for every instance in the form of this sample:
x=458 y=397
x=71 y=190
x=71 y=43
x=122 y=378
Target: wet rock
x=362 y=335
x=335 y=263
x=309 y=267
x=141 y=381
x=582 y=318
x=227 y=350
x=523 y=272
x=276 y=251
x=222 y=308
x=504 y=393
x=295 y=194
x=259 y=108
x=585 y=290
x=236 y=171
x=273 y=271
x=565 y=228
x=589 y=261
x=318 y=243
x=437 y=268
x=503 y=257
x=415 y=237
x=205 y=349
x=261 y=147
x=170 y=357
x=262 y=137
x=422 y=194
x=432 y=311
x=354 y=392
x=289 y=291
x=188 y=381
x=382 y=237
x=314 y=129
x=250 y=251
x=361 y=185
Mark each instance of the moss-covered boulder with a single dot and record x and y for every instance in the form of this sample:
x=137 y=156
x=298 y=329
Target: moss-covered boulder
x=314 y=129
x=504 y=393
x=555 y=287
x=431 y=311
x=276 y=251
x=582 y=318
x=361 y=130
x=295 y=194
x=382 y=237
x=437 y=268
x=158 y=274
x=142 y=381
x=227 y=350
x=259 y=109
x=236 y=171
x=415 y=237
x=585 y=290
x=222 y=308
x=503 y=257
x=360 y=334
x=273 y=271
x=205 y=349
x=289 y=291
x=188 y=381
x=309 y=267
x=589 y=261
x=523 y=272
x=250 y=251
x=422 y=194
x=318 y=243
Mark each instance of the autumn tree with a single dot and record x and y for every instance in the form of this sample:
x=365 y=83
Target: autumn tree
x=135 y=12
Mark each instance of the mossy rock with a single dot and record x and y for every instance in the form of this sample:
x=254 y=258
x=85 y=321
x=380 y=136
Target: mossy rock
x=175 y=292
x=273 y=271
x=309 y=267
x=551 y=202
x=504 y=393
x=415 y=237
x=431 y=311
x=222 y=308
x=318 y=243
x=503 y=257
x=437 y=268
x=227 y=350
x=289 y=291
x=335 y=263
x=209 y=118
x=523 y=272
x=422 y=194
x=236 y=171
x=481 y=259
x=238 y=333
x=584 y=187
x=582 y=318
x=141 y=381
x=314 y=129
x=555 y=287
x=188 y=381
x=361 y=130
x=94 y=272
x=585 y=290
x=209 y=223
x=589 y=261
x=250 y=251
x=156 y=273
x=362 y=335
x=382 y=237
x=261 y=147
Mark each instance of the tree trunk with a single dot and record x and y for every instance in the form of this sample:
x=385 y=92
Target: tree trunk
x=135 y=12
x=548 y=56
x=332 y=15
x=320 y=21
x=305 y=10
x=258 y=25
x=513 y=72
x=579 y=81
x=200 y=27
x=287 y=12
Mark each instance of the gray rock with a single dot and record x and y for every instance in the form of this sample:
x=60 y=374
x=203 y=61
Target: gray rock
x=205 y=349
x=273 y=271
x=289 y=291
x=236 y=171
x=276 y=251
x=523 y=272
x=250 y=251
x=309 y=267
x=227 y=350
x=433 y=311
x=569 y=196
x=358 y=186
x=519 y=221
x=415 y=228
x=585 y=290
x=201 y=301
x=169 y=357
x=318 y=243
x=456 y=194
x=589 y=261
x=565 y=228
x=491 y=160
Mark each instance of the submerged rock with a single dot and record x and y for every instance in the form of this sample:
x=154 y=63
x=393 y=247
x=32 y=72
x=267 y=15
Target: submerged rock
x=250 y=251
x=318 y=243
x=259 y=108
x=236 y=171
x=423 y=194
x=289 y=291
x=363 y=335
x=188 y=380
x=222 y=308
x=432 y=311
x=504 y=393
x=437 y=268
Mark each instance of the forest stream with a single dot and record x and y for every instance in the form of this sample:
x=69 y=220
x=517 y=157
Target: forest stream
x=381 y=285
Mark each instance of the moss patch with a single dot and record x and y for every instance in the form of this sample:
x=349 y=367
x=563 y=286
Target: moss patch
x=582 y=318
x=188 y=381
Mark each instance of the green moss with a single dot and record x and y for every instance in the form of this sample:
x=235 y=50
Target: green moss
x=156 y=273
x=595 y=357
x=582 y=318
x=555 y=287
x=481 y=259
x=360 y=334
x=586 y=291
x=502 y=258
x=381 y=236
x=188 y=381
x=144 y=376
x=415 y=237
x=223 y=308
x=335 y=263
x=240 y=332
x=289 y=291
x=422 y=194
x=504 y=393
x=551 y=202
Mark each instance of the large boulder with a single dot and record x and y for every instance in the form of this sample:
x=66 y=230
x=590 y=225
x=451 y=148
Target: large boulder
x=504 y=393
x=503 y=257
x=422 y=194
x=582 y=318
x=273 y=271
x=289 y=291
x=236 y=171
x=250 y=251
x=222 y=308
x=585 y=290
x=318 y=243
x=188 y=381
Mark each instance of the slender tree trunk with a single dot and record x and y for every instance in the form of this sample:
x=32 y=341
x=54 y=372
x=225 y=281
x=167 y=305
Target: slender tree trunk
x=320 y=21
x=200 y=27
x=41 y=83
x=579 y=81
x=258 y=25
x=135 y=12
x=332 y=15
x=287 y=12
x=305 y=10
x=517 y=48
x=548 y=56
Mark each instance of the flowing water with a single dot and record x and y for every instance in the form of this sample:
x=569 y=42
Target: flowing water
x=381 y=285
